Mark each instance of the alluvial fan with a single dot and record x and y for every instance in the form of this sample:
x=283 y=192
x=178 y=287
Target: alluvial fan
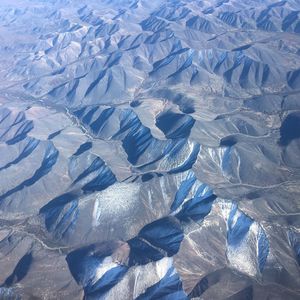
x=150 y=149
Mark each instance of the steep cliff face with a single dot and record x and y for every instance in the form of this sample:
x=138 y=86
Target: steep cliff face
x=149 y=149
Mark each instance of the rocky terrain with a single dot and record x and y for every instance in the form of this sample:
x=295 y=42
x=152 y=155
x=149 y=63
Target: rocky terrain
x=150 y=149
